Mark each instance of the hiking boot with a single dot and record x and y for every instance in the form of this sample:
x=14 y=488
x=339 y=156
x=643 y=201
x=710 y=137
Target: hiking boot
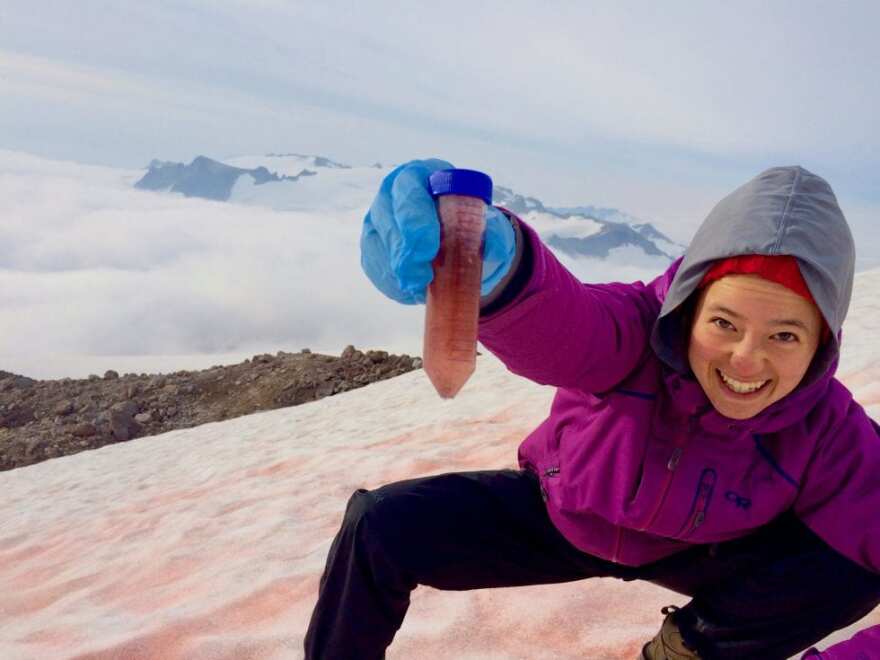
x=668 y=644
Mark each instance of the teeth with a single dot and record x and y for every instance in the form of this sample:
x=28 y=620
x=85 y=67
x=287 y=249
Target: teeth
x=740 y=387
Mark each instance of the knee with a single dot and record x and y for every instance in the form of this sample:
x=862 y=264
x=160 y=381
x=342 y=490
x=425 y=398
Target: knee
x=366 y=516
x=359 y=508
x=383 y=520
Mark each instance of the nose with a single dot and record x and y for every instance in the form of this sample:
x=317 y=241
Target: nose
x=747 y=358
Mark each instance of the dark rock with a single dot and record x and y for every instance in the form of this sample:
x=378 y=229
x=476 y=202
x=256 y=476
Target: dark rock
x=35 y=446
x=10 y=381
x=122 y=420
x=16 y=415
x=377 y=356
x=45 y=419
x=84 y=430
x=64 y=408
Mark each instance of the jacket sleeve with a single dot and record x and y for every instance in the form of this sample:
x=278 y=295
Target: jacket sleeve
x=839 y=498
x=555 y=330
x=840 y=501
x=864 y=645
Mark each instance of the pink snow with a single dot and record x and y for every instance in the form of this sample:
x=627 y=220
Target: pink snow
x=208 y=543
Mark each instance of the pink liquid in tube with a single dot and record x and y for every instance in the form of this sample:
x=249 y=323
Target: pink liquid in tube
x=453 y=299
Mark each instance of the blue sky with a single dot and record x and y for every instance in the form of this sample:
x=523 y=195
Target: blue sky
x=656 y=108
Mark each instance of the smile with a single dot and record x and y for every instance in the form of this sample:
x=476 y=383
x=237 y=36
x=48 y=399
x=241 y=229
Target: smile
x=740 y=387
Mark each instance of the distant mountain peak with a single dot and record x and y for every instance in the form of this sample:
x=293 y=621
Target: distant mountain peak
x=616 y=228
x=317 y=161
x=612 y=235
x=515 y=202
x=578 y=231
x=204 y=177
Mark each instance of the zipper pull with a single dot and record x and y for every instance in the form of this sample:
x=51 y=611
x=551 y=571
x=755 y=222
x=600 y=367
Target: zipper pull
x=673 y=460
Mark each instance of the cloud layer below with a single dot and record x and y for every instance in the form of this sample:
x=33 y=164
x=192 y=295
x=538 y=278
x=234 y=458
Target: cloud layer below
x=96 y=275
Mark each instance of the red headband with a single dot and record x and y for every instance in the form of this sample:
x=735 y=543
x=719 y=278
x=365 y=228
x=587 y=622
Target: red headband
x=782 y=269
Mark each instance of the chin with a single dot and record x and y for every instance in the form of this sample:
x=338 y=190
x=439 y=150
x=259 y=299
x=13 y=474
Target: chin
x=738 y=414
x=741 y=410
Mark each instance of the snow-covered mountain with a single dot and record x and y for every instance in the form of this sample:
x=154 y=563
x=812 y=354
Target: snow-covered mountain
x=206 y=178
x=279 y=181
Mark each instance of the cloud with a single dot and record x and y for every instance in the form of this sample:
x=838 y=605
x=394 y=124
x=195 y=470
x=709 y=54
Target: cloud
x=709 y=91
x=90 y=267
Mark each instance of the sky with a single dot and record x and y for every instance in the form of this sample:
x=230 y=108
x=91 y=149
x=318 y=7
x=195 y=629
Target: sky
x=656 y=108
x=208 y=543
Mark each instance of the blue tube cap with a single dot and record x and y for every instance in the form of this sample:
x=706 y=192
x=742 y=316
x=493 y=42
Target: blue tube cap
x=461 y=182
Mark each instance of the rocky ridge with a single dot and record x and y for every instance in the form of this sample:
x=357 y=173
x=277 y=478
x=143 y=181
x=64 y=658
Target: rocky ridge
x=45 y=419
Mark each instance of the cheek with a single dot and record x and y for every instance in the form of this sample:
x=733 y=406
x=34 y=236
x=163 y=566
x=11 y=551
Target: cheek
x=793 y=369
x=700 y=351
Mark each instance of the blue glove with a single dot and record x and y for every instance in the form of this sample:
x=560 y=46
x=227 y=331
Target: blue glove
x=401 y=236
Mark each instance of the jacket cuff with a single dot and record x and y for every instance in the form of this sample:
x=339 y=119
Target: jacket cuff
x=517 y=276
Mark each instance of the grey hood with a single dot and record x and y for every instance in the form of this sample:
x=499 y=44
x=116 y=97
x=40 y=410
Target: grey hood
x=782 y=211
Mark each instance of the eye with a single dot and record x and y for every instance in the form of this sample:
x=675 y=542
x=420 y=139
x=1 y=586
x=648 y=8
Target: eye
x=787 y=337
x=724 y=324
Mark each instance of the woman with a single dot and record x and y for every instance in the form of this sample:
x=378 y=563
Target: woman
x=698 y=438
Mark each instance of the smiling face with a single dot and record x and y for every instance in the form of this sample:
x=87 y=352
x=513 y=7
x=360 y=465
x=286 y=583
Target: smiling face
x=752 y=341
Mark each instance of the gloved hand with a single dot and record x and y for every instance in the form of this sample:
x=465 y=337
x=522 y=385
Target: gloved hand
x=401 y=236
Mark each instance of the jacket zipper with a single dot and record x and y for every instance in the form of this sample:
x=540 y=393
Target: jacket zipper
x=671 y=464
x=704 y=494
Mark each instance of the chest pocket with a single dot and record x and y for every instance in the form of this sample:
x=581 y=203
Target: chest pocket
x=699 y=508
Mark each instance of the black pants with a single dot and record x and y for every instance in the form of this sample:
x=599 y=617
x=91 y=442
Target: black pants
x=764 y=596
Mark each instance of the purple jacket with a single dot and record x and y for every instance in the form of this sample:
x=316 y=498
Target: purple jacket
x=634 y=462
x=864 y=645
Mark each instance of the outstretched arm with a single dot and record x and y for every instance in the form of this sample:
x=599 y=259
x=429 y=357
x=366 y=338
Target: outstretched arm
x=551 y=328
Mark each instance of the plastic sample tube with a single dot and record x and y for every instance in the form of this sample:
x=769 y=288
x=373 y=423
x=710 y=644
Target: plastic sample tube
x=449 y=354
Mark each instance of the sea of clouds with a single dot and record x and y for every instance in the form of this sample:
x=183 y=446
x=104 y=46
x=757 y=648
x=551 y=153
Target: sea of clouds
x=94 y=273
